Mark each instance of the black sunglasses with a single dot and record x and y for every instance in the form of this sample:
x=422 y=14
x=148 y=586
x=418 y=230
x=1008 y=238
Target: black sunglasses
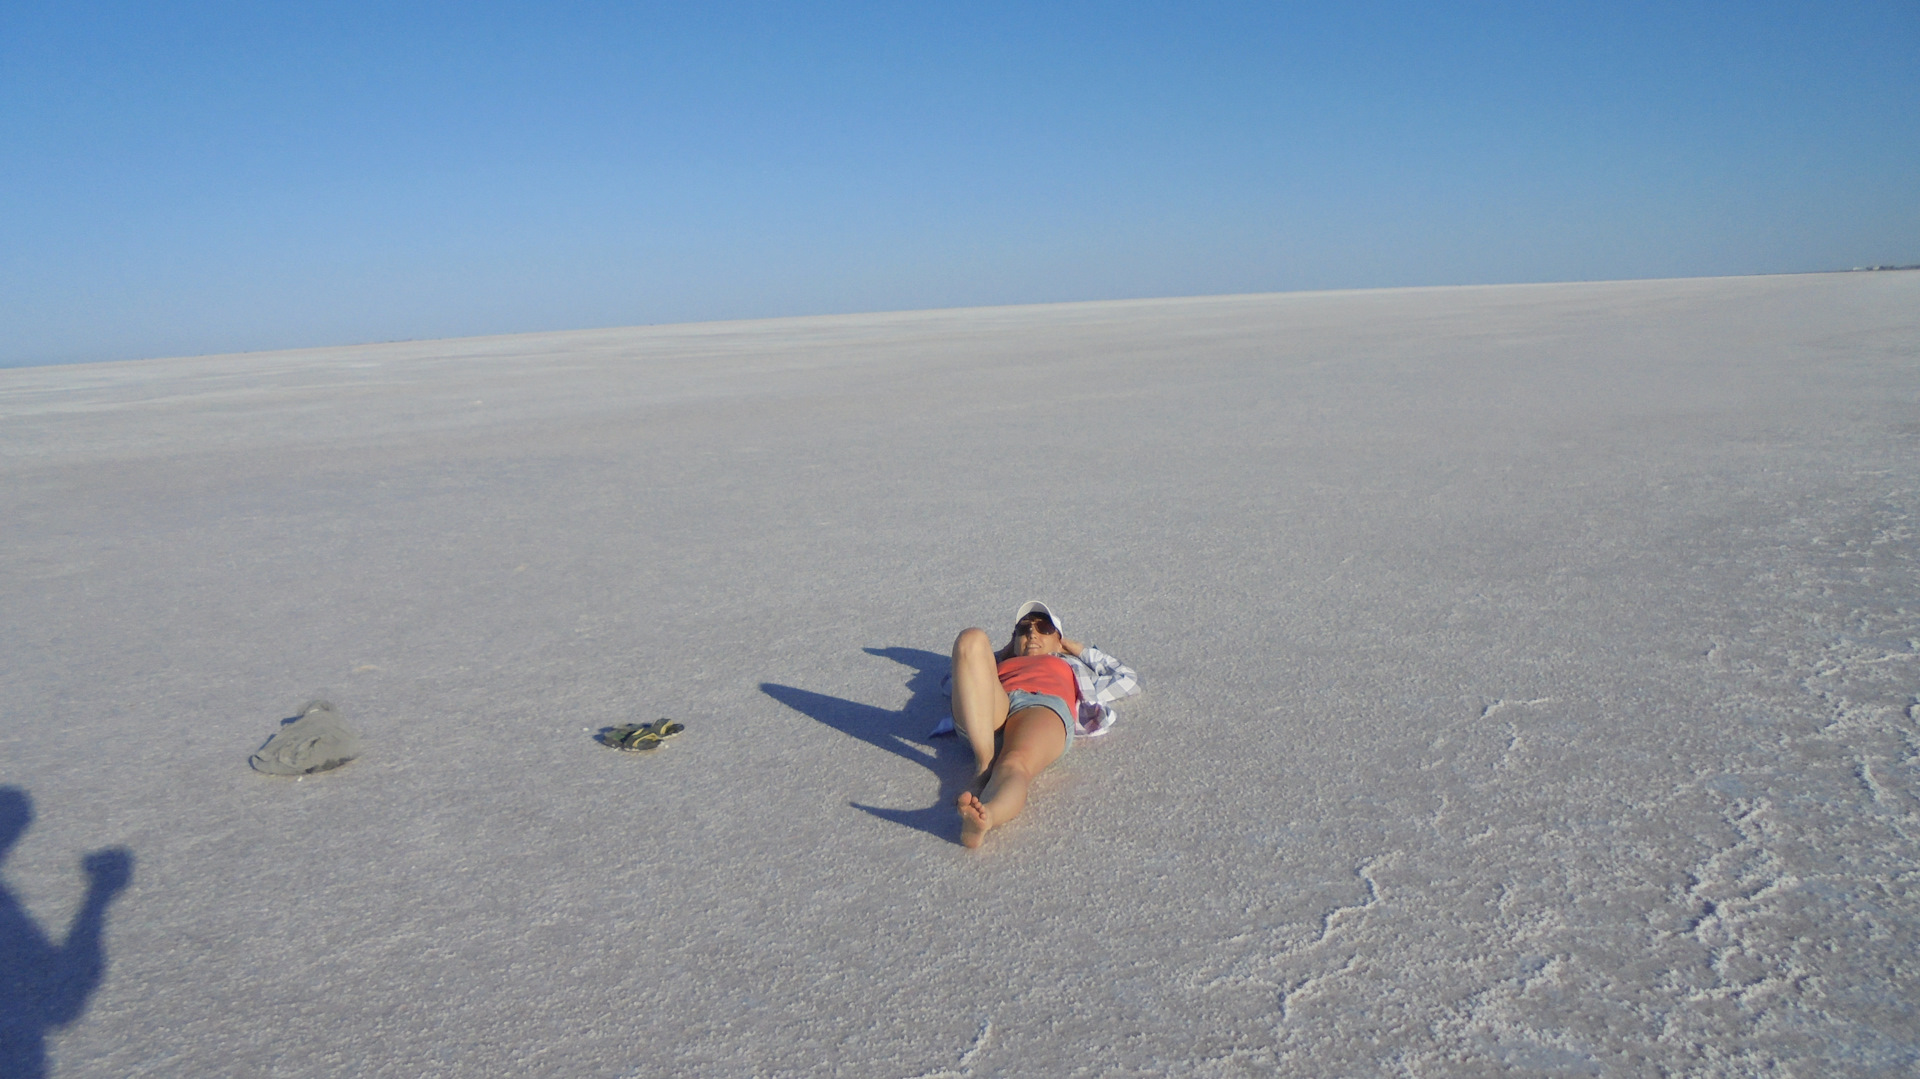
x=1035 y=623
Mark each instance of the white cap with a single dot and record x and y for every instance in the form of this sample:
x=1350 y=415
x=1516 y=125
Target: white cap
x=1032 y=606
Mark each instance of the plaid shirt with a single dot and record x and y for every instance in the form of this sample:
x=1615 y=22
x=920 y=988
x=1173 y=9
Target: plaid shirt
x=1102 y=680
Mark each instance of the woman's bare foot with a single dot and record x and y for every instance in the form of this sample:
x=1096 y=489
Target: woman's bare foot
x=974 y=822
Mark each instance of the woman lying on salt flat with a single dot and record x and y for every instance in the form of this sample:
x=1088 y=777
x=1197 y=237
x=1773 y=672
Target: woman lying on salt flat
x=1042 y=690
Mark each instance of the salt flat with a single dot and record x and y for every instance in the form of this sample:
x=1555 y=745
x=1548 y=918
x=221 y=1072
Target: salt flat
x=1530 y=682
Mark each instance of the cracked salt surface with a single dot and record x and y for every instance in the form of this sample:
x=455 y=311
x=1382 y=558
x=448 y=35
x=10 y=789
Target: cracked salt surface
x=1531 y=688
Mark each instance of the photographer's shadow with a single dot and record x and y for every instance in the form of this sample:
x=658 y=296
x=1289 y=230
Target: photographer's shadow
x=902 y=732
x=45 y=986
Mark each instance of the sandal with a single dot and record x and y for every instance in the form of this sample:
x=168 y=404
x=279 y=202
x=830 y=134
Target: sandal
x=639 y=737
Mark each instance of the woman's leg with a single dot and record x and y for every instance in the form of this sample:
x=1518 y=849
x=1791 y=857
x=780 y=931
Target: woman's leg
x=1035 y=739
x=979 y=704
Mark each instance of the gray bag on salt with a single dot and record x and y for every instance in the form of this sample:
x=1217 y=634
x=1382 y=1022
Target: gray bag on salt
x=313 y=741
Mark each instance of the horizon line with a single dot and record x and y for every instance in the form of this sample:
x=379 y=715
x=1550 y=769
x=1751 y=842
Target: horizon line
x=1174 y=298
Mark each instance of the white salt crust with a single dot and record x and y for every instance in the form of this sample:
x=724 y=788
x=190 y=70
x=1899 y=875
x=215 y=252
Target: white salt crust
x=1530 y=680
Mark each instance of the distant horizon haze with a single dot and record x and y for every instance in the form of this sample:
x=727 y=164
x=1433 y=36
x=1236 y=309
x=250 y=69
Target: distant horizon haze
x=925 y=310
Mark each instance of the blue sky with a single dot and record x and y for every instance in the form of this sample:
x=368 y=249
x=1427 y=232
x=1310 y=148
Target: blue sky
x=207 y=177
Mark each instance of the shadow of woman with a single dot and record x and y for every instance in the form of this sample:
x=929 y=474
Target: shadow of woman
x=44 y=986
x=902 y=732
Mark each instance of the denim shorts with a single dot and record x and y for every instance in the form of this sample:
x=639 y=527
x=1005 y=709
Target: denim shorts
x=1019 y=699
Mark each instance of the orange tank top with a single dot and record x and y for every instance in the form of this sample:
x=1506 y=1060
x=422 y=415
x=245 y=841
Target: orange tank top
x=1041 y=674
